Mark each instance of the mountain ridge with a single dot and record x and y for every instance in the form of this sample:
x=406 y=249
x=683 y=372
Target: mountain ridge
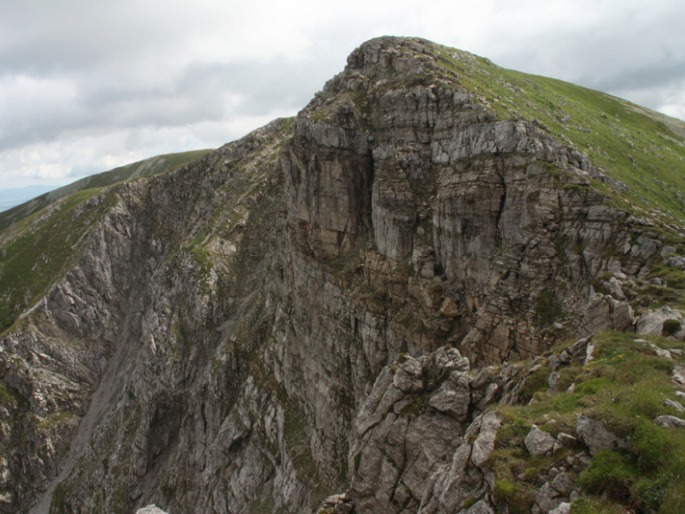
x=145 y=167
x=360 y=300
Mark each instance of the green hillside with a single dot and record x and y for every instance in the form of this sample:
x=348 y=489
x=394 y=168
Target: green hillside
x=642 y=149
x=38 y=238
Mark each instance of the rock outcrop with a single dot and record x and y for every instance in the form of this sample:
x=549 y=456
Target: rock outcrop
x=325 y=306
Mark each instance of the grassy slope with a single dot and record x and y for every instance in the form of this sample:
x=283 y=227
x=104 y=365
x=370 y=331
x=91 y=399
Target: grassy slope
x=643 y=149
x=43 y=235
x=144 y=168
x=625 y=386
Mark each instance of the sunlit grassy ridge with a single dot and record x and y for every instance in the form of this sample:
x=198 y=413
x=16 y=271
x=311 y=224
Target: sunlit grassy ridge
x=643 y=149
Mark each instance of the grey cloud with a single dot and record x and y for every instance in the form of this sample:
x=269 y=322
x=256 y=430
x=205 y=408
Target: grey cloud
x=137 y=68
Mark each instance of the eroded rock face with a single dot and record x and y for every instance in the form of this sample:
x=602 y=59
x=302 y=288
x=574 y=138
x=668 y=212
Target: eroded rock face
x=429 y=185
x=318 y=307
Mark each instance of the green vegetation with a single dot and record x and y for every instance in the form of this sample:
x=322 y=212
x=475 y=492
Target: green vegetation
x=547 y=309
x=643 y=149
x=625 y=387
x=31 y=262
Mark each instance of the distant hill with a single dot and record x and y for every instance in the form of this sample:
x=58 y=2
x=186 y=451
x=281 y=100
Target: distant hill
x=20 y=205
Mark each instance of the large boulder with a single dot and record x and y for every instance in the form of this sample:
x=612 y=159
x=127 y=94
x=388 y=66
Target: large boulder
x=663 y=321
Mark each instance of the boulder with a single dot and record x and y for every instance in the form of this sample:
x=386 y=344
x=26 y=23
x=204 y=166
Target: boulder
x=539 y=442
x=595 y=435
x=652 y=322
x=606 y=313
x=150 y=509
x=670 y=422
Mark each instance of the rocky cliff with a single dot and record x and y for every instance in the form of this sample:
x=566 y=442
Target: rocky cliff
x=353 y=301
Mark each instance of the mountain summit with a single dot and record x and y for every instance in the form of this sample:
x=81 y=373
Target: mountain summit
x=442 y=287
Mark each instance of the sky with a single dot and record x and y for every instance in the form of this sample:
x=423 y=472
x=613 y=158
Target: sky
x=88 y=85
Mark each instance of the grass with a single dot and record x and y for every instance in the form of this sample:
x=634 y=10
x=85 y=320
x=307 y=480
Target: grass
x=624 y=387
x=640 y=148
x=31 y=262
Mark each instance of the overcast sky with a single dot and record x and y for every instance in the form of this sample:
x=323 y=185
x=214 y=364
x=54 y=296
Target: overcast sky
x=87 y=85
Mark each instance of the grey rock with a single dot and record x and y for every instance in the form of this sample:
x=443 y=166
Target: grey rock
x=539 y=442
x=662 y=352
x=408 y=377
x=595 y=435
x=670 y=421
x=679 y=374
x=547 y=498
x=150 y=509
x=675 y=405
x=453 y=396
x=484 y=444
x=562 y=508
x=607 y=313
x=563 y=484
x=652 y=322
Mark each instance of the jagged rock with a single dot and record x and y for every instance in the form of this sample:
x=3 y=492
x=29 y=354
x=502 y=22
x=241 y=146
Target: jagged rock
x=539 y=442
x=563 y=484
x=453 y=396
x=607 y=313
x=675 y=405
x=547 y=498
x=679 y=374
x=595 y=435
x=408 y=377
x=467 y=476
x=670 y=421
x=485 y=442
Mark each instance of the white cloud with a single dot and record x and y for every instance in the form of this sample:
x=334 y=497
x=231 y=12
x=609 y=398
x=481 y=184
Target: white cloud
x=85 y=86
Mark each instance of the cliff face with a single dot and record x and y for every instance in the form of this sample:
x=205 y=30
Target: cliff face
x=322 y=306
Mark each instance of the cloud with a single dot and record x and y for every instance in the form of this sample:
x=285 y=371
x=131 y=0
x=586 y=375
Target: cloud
x=86 y=86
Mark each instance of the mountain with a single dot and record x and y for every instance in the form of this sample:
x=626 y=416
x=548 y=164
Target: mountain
x=442 y=287
x=144 y=168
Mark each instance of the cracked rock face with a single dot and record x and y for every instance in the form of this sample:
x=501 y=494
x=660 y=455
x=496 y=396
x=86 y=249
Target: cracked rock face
x=316 y=308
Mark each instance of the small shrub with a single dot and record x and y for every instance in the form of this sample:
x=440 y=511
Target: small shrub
x=671 y=327
x=649 y=493
x=517 y=498
x=609 y=473
x=651 y=445
x=595 y=506
x=547 y=309
x=674 y=502
x=538 y=381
